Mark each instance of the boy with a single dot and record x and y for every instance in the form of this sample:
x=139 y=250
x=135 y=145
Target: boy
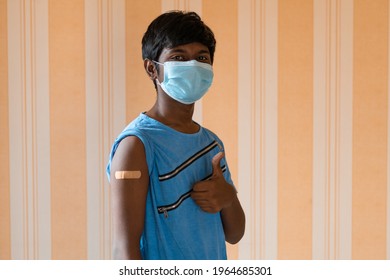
x=172 y=193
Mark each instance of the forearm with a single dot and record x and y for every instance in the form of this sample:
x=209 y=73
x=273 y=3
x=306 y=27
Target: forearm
x=233 y=219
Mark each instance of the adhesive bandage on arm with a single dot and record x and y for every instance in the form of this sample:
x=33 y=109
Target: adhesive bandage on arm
x=121 y=175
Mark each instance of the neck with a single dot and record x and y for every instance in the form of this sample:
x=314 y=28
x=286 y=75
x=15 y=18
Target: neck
x=174 y=114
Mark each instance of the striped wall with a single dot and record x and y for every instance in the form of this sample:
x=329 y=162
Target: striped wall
x=300 y=99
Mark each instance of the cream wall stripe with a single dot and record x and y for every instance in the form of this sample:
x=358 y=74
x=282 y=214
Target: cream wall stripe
x=5 y=221
x=332 y=174
x=105 y=105
x=15 y=81
x=257 y=105
x=41 y=47
x=345 y=128
x=186 y=5
x=247 y=244
x=270 y=130
x=29 y=129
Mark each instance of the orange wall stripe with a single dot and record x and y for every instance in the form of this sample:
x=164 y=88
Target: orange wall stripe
x=222 y=97
x=140 y=92
x=68 y=152
x=295 y=121
x=5 y=222
x=220 y=110
x=370 y=129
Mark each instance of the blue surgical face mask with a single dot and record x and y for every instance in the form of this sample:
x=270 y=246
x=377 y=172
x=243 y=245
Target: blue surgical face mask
x=186 y=81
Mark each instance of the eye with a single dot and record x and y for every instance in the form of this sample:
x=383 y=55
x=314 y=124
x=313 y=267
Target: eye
x=203 y=58
x=177 y=58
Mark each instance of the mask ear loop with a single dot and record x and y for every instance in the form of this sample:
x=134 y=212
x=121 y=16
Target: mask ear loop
x=156 y=66
x=159 y=63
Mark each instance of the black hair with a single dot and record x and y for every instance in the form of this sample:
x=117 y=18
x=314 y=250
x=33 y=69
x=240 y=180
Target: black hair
x=173 y=29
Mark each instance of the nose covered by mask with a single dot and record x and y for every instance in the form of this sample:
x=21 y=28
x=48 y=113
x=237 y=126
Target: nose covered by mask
x=186 y=81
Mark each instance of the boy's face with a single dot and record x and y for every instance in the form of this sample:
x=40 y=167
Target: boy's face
x=192 y=51
x=187 y=52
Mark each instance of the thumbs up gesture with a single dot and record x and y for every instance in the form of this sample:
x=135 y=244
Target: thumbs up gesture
x=215 y=193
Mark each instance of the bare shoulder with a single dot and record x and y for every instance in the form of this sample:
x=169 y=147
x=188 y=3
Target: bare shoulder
x=130 y=155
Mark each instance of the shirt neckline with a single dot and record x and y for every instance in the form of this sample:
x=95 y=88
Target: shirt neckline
x=145 y=116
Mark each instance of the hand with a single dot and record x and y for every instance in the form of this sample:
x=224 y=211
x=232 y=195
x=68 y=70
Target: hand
x=214 y=194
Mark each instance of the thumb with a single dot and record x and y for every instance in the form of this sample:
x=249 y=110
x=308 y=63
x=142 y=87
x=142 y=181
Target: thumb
x=217 y=171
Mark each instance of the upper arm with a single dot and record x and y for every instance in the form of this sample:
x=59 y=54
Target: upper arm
x=128 y=197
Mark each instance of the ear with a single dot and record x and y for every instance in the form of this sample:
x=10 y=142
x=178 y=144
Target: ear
x=150 y=69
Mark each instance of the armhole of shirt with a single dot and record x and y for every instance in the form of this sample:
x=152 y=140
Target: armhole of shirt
x=146 y=143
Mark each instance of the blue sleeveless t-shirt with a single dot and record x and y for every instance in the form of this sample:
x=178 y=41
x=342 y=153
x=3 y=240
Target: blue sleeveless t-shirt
x=175 y=227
